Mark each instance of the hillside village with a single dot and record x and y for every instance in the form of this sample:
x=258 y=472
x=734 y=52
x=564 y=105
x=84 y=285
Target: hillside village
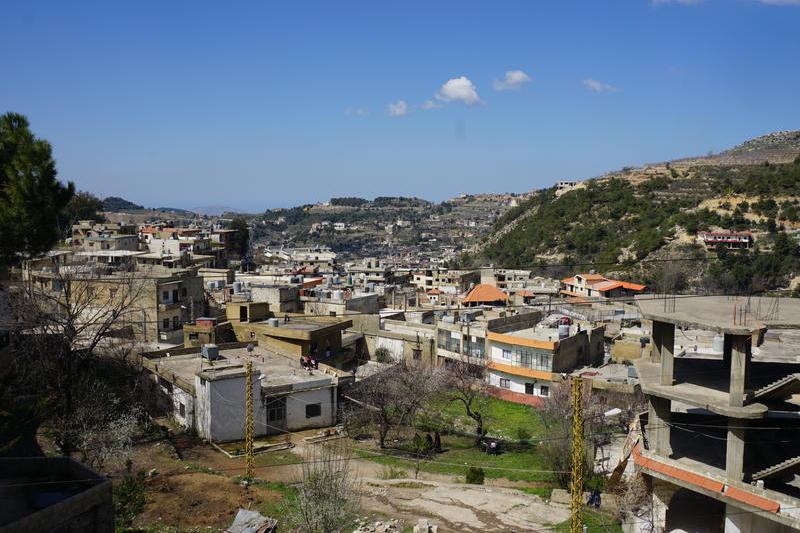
x=202 y=370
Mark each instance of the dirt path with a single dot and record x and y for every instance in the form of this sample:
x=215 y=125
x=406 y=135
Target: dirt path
x=458 y=507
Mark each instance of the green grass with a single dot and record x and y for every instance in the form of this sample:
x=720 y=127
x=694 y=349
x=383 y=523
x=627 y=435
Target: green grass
x=461 y=454
x=542 y=492
x=595 y=521
x=502 y=418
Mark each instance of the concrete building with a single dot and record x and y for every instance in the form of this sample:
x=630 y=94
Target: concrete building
x=447 y=281
x=524 y=361
x=719 y=442
x=206 y=382
x=320 y=257
x=53 y=494
x=86 y=229
x=596 y=286
x=505 y=278
x=372 y=270
x=727 y=239
x=339 y=302
x=206 y=388
x=164 y=299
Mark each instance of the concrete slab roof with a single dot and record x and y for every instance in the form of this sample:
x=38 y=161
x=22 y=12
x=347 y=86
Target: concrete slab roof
x=722 y=314
x=278 y=371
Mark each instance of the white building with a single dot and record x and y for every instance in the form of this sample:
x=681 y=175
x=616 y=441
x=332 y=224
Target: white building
x=207 y=392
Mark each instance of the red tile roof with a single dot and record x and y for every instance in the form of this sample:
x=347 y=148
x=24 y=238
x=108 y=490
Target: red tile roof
x=485 y=293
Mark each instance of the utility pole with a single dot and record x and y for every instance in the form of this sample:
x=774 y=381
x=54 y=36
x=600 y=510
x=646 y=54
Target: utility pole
x=576 y=483
x=248 y=423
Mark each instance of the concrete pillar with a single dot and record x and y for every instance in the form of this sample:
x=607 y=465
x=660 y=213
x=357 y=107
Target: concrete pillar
x=734 y=452
x=740 y=366
x=658 y=430
x=657 y=338
x=664 y=342
x=662 y=495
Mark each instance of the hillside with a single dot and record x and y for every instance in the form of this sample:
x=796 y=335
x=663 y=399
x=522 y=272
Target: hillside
x=625 y=219
x=115 y=203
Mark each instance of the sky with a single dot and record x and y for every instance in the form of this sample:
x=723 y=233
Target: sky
x=263 y=104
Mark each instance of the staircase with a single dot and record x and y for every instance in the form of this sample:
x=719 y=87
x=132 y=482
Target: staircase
x=779 y=389
x=782 y=467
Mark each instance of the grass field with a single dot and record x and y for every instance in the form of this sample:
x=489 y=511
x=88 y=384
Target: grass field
x=515 y=464
x=501 y=418
x=595 y=522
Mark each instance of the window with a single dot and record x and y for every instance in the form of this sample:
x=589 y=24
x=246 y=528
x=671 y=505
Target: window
x=544 y=391
x=183 y=291
x=416 y=354
x=193 y=336
x=182 y=410
x=529 y=388
x=313 y=410
x=505 y=383
x=506 y=354
x=176 y=322
x=276 y=411
x=165 y=323
x=165 y=296
x=166 y=385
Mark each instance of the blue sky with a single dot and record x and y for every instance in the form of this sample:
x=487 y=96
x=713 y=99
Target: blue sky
x=264 y=104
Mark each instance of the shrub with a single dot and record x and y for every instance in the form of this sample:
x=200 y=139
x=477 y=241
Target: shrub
x=128 y=499
x=382 y=355
x=523 y=435
x=475 y=475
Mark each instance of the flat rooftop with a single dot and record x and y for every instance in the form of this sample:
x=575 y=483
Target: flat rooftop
x=277 y=370
x=722 y=314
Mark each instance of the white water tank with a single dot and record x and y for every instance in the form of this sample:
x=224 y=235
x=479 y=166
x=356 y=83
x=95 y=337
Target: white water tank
x=563 y=331
x=273 y=322
x=337 y=295
x=237 y=286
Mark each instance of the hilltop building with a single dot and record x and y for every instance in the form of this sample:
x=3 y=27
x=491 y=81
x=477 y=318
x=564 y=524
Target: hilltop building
x=729 y=240
x=596 y=286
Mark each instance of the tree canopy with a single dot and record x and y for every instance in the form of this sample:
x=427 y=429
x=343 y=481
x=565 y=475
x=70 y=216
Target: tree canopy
x=31 y=198
x=83 y=206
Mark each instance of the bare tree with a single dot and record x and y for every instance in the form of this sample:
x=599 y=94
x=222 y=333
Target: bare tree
x=393 y=398
x=466 y=383
x=327 y=498
x=59 y=317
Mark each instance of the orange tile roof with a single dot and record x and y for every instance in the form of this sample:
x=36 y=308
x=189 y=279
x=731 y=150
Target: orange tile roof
x=485 y=293
x=434 y=291
x=607 y=285
x=633 y=286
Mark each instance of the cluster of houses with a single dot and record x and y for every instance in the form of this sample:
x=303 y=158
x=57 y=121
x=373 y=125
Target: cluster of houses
x=720 y=375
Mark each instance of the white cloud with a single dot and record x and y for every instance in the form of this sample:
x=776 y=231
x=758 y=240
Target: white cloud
x=598 y=86
x=459 y=90
x=356 y=112
x=430 y=104
x=397 y=109
x=513 y=81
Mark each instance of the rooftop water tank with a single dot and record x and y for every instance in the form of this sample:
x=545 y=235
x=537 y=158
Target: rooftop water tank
x=273 y=322
x=337 y=295
x=563 y=331
x=210 y=352
x=237 y=286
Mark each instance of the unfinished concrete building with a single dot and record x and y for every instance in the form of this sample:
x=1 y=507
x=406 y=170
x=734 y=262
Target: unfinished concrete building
x=720 y=441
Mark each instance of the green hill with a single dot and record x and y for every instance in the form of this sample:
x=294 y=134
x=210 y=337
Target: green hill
x=635 y=216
